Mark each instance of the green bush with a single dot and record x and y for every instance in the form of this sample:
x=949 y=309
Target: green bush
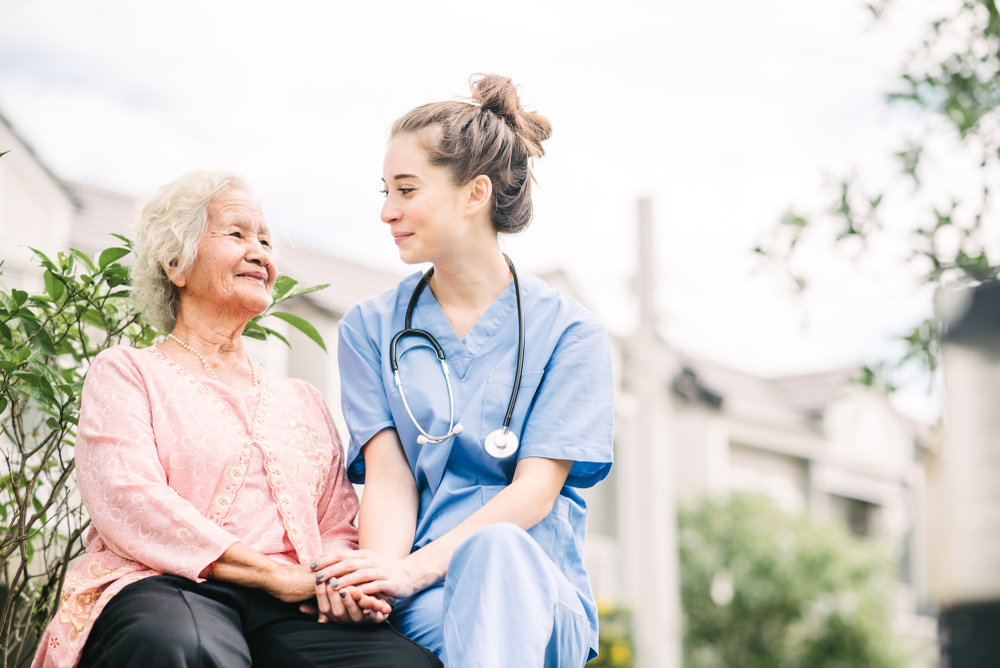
x=615 y=649
x=47 y=342
x=763 y=589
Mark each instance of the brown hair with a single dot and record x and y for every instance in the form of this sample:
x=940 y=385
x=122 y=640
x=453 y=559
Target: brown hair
x=492 y=136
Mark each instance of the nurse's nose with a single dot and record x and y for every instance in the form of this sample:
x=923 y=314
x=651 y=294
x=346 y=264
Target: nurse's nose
x=390 y=213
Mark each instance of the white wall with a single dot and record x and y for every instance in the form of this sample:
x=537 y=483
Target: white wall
x=34 y=211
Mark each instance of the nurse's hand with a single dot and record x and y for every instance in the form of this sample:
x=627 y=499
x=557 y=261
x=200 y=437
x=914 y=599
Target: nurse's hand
x=372 y=573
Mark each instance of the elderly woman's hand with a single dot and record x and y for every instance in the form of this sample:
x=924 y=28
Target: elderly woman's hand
x=346 y=605
x=290 y=583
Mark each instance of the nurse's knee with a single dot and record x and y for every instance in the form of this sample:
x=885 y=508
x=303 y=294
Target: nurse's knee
x=501 y=534
x=504 y=543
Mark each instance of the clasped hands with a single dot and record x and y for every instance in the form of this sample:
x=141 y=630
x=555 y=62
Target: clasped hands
x=355 y=586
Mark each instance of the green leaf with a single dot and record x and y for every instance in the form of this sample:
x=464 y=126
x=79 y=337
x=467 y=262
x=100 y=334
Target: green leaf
x=30 y=378
x=123 y=239
x=53 y=286
x=92 y=317
x=37 y=393
x=303 y=326
x=20 y=296
x=282 y=286
x=110 y=255
x=1 y=155
x=277 y=335
x=255 y=334
x=305 y=291
x=7 y=301
x=82 y=257
x=53 y=424
x=5 y=332
x=8 y=366
x=3 y=407
x=44 y=259
x=45 y=371
x=44 y=342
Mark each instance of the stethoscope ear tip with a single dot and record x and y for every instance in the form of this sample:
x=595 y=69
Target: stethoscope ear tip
x=422 y=440
x=458 y=429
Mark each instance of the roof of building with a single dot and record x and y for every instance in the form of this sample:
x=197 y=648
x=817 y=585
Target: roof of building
x=31 y=151
x=791 y=402
x=101 y=214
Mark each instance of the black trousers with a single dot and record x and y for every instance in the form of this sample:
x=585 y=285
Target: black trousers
x=172 y=622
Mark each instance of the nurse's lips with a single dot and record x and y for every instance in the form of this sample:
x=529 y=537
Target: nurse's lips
x=399 y=237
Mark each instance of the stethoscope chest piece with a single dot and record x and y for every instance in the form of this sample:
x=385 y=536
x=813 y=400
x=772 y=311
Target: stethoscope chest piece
x=501 y=443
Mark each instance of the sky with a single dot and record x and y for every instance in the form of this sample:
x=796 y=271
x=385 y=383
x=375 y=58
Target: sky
x=725 y=114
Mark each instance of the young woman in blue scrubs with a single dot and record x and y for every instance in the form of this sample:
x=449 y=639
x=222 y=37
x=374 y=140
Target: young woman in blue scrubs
x=483 y=555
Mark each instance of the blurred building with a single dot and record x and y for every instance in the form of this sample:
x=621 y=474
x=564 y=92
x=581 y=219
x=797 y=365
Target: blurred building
x=816 y=442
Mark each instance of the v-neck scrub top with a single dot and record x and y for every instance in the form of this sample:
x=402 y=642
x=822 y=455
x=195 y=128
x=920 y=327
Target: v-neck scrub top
x=564 y=408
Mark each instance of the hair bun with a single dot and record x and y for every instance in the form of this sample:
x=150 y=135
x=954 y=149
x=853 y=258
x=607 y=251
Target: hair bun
x=498 y=94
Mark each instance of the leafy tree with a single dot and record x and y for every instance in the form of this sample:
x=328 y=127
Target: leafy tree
x=947 y=225
x=47 y=342
x=763 y=589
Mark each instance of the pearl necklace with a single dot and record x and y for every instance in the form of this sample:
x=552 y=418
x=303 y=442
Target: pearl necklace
x=253 y=369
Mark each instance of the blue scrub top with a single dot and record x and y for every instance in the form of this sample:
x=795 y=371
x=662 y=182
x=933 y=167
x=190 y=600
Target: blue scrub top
x=564 y=408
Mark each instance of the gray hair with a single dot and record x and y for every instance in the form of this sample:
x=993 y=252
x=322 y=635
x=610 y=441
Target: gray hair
x=170 y=226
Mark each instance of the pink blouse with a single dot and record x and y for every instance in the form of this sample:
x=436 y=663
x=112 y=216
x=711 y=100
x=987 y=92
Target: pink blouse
x=175 y=467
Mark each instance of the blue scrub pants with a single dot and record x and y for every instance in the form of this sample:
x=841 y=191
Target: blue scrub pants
x=502 y=604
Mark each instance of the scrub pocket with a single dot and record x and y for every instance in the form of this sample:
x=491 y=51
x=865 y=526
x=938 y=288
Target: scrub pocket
x=498 y=389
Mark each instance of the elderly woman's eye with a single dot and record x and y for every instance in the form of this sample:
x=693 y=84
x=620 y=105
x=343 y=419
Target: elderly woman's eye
x=238 y=235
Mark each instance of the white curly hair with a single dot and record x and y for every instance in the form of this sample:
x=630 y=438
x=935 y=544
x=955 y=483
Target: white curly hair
x=170 y=226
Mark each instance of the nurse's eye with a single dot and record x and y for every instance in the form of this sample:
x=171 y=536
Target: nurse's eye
x=385 y=193
x=406 y=191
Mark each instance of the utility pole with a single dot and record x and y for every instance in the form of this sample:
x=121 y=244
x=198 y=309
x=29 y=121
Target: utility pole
x=647 y=511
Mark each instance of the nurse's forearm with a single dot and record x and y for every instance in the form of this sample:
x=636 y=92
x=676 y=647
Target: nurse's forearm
x=387 y=519
x=525 y=503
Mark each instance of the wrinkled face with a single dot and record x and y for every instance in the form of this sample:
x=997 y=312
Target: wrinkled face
x=424 y=210
x=234 y=272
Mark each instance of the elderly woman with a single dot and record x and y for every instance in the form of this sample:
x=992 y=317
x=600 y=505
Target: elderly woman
x=211 y=483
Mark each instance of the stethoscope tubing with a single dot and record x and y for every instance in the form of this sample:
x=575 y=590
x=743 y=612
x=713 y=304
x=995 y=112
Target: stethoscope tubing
x=408 y=330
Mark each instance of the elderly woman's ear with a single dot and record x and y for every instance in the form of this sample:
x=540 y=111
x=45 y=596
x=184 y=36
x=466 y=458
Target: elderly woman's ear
x=174 y=276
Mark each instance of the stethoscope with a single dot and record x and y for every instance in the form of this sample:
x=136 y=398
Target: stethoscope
x=500 y=443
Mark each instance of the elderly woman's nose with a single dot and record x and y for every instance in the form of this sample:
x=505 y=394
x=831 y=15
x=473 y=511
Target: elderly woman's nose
x=258 y=252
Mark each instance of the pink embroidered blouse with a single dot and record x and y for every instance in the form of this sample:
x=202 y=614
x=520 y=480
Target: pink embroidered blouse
x=175 y=467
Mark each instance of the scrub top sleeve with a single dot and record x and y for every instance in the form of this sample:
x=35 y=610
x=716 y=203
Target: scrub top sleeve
x=572 y=416
x=363 y=399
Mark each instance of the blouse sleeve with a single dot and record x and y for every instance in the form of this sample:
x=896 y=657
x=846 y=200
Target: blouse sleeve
x=338 y=504
x=123 y=484
x=363 y=397
x=572 y=416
